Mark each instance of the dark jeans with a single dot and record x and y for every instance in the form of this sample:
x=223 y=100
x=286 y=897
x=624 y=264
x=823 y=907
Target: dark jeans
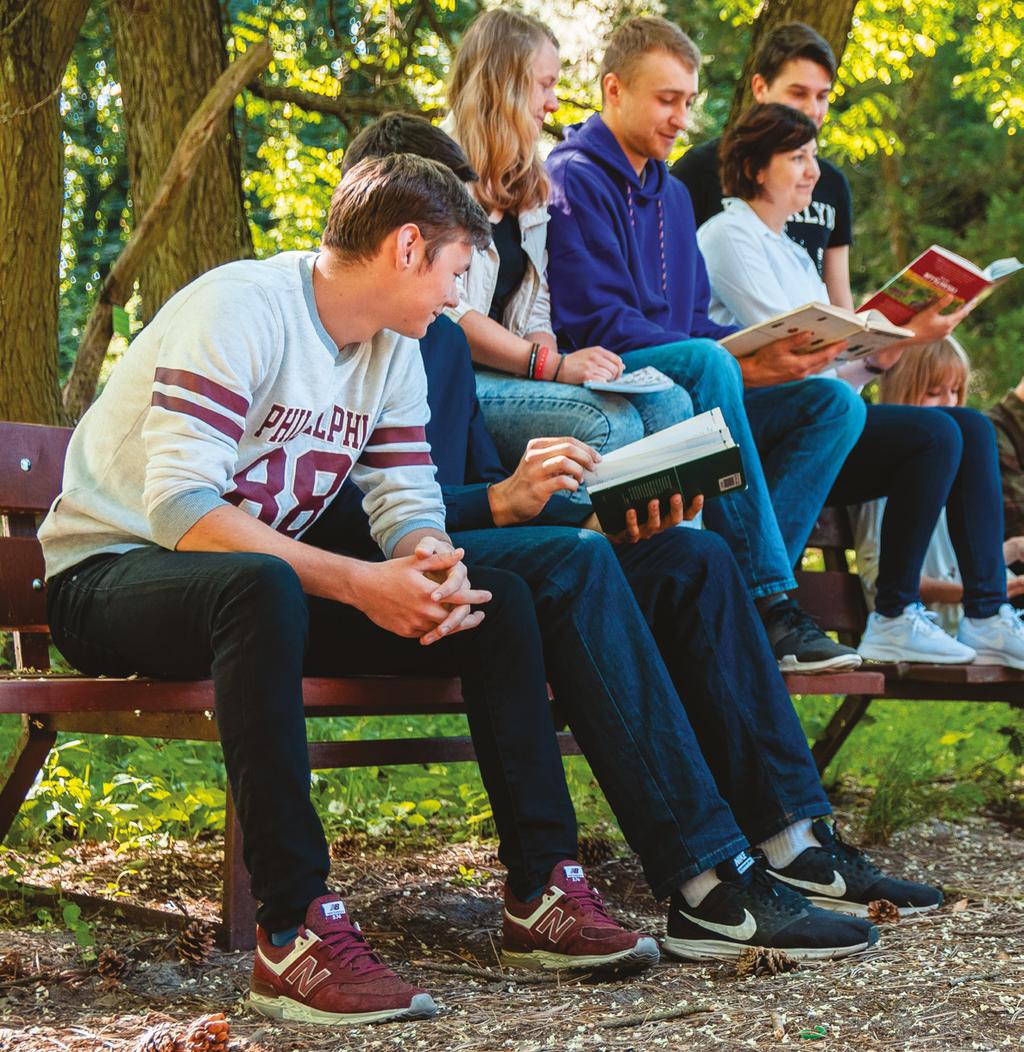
x=244 y=619
x=699 y=758
x=921 y=460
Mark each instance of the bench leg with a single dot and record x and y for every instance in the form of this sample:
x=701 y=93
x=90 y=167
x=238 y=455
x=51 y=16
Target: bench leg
x=18 y=771
x=845 y=718
x=238 y=908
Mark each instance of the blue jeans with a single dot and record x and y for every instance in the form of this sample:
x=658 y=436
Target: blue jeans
x=697 y=748
x=745 y=518
x=517 y=410
x=804 y=432
x=921 y=460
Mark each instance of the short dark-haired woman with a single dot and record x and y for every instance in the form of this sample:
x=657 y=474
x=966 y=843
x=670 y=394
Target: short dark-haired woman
x=921 y=459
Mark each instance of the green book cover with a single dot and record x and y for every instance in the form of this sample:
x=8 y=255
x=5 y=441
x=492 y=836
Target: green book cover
x=713 y=475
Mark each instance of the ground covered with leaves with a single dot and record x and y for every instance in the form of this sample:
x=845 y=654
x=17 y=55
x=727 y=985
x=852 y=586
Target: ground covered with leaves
x=949 y=980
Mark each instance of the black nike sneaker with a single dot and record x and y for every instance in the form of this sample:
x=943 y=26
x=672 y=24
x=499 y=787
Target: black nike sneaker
x=837 y=876
x=799 y=645
x=749 y=908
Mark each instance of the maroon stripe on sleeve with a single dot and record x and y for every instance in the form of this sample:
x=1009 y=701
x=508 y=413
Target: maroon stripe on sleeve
x=387 y=436
x=399 y=459
x=216 y=392
x=208 y=416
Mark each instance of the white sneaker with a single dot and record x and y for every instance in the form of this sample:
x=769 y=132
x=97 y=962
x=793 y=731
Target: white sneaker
x=999 y=640
x=914 y=635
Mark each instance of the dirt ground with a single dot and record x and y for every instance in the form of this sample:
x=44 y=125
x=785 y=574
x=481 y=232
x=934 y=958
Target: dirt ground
x=949 y=980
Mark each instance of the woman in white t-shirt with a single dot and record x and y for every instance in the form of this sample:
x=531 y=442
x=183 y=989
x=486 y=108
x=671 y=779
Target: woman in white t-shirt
x=921 y=459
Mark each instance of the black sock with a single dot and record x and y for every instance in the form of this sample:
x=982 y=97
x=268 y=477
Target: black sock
x=766 y=603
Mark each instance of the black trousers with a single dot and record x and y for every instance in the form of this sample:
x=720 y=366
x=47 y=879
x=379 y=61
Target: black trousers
x=244 y=620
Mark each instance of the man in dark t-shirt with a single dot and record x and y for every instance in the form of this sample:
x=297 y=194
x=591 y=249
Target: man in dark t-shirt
x=796 y=67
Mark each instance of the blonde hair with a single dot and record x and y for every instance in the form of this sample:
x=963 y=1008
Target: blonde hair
x=489 y=96
x=637 y=37
x=918 y=368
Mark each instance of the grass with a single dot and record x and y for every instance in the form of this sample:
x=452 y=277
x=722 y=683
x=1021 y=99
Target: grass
x=908 y=760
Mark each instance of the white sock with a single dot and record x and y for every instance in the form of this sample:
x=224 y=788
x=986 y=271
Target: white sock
x=696 y=888
x=783 y=848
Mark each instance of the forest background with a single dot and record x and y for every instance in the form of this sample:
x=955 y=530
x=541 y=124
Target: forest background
x=95 y=98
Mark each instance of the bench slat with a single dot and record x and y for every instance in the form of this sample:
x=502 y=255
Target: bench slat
x=31 y=465
x=834 y=599
x=22 y=606
x=352 y=696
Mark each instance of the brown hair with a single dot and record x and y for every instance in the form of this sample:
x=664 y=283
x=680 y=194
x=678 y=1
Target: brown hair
x=406 y=133
x=789 y=42
x=918 y=368
x=489 y=95
x=748 y=146
x=638 y=36
x=379 y=195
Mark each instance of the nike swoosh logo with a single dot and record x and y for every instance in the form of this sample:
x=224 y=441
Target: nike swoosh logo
x=835 y=890
x=742 y=932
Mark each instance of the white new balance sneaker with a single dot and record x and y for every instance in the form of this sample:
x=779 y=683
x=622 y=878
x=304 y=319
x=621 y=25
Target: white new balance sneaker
x=914 y=635
x=999 y=640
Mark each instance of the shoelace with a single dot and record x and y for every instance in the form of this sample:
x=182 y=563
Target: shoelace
x=1013 y=619
x=587 y=899
x=793 y=617
x=847 y=853
x=769 y=890
x=922 y=620
x=346 y=945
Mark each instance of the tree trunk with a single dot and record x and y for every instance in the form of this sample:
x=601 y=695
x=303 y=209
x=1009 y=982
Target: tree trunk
x=169 y=55
x=35 y=42
x=831 y=18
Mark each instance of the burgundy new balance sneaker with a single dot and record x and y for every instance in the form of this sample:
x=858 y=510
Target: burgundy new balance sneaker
x=567 y=927
x=328 y=974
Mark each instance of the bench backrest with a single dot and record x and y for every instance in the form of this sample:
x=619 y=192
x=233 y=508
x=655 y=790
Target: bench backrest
x=834 y=597
x=31 y=468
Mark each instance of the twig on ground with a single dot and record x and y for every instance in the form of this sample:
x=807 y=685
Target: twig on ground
x=679 y=1012
x=486 y=974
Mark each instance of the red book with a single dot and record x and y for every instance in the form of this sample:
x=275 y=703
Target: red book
x=935 y=273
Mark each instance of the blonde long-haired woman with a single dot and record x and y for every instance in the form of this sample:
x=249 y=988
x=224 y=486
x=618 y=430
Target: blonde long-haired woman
x=501 y=89
x=936 y=374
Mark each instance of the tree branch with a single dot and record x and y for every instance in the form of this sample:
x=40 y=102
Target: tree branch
x=344 y=107
x=117 y=287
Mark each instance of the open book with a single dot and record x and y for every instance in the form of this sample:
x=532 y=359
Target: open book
x=694 y=457
x=867 y=331
x=935 y=273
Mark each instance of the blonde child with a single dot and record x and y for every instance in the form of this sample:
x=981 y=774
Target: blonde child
x=936 y=375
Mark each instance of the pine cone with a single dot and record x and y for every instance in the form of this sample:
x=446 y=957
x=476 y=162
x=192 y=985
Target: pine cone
x=11 y=966
x=209 y=1033
x=195 y=942
x=595 y=849
x=882 y=911
x=346 y=844
x=161 y=1038
x=760 y=960
x=111 y=966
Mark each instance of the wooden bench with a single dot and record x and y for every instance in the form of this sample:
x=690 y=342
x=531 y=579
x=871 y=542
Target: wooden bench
x=31 y=463
x=834 y=597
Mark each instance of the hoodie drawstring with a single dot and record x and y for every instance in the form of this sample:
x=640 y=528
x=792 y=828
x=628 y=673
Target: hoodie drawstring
x=661 y=234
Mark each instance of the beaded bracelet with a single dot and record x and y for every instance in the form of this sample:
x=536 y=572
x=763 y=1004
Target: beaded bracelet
x=542 y=358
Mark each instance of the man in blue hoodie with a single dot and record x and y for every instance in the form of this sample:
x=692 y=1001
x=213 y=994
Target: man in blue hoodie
x=625 y=272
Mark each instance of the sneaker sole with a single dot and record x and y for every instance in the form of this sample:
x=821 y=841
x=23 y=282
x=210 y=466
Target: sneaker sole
x=845 y=663
x=892 y=654
x=991 y=657
x=718 y=950
x=643 y=955
x=420 y=1007
x=858 y=909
